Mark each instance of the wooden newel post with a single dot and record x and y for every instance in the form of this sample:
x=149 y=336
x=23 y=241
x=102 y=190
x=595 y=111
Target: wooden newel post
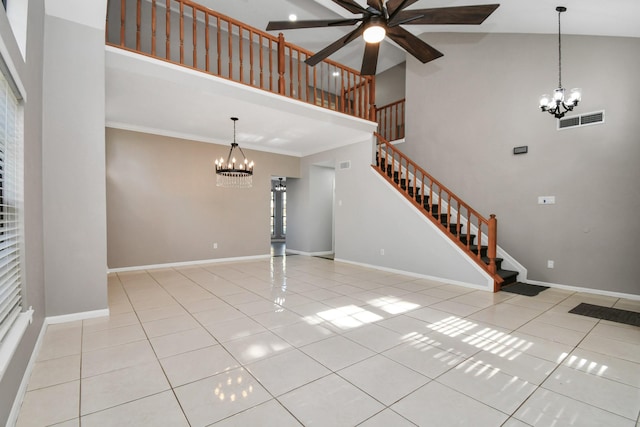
x=372 y=99
x=281 y=64
x=491 y=250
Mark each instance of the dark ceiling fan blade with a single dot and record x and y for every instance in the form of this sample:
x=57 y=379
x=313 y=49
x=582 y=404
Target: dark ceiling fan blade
x=370 y=59
x=351 y=6
x=395 y=6
x=292 y=25
x=412 y=44
x=376 y=4
x=467 y=15
x=333 y=47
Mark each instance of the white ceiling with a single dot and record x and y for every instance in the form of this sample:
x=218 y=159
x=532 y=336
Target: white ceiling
x=156 y=97
x=152 y=96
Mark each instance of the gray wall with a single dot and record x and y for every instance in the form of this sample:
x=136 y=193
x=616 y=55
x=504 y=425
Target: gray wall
x=163 y=205
x=310 y=207
x=30 y=73
x=390 y=85
x=74 y=167
x=370 y=216
x=466 y=112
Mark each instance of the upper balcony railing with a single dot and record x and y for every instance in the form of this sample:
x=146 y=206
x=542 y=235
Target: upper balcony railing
x=390 y=119
x=189 y=34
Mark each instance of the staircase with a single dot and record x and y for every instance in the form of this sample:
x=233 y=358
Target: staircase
x=474 y=234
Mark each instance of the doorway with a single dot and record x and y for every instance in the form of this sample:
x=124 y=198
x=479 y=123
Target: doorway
x=278 y=215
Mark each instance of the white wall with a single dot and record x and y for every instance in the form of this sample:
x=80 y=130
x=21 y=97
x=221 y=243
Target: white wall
x=486 y=87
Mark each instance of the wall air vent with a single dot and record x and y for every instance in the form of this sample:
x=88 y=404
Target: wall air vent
x=581 y=120
x=345 y=165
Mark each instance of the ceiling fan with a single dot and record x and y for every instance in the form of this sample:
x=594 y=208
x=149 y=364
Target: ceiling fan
x=378 y=20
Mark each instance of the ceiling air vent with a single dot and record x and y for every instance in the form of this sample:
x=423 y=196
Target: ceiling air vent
x=582 y=120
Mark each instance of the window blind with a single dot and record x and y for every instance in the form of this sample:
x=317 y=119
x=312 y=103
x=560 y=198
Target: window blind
x=10 y=200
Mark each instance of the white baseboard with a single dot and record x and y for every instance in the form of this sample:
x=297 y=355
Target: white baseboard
x=586 y=290
x=186 y=263
x=53 y=320
x=417 y=275
x=22 y=390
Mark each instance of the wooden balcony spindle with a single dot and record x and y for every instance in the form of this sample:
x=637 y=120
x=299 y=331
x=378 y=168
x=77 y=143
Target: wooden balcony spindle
x=251 y=79
x=167 y=30
x=261 y=59
x=230 y=56
x=397 y=118
x=240 y=54
x=195 y=36
x=281 y=65
x=271 y=65
x=372 y=99
x=181 y=33
x=123 y=20
x=219 y=45
x=299 y=75
x=291 y=91
x=153 y=27
x=207 y=36
x=306 y=80
x=138 y=23
x=315 y=85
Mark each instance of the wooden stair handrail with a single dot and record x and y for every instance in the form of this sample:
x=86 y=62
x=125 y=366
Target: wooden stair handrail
x=491 y=224
x=288 y=68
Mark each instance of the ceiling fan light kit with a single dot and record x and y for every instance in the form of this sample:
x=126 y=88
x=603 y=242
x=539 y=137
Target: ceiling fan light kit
x=380 y=20
x=559 y=104
x=374 y=31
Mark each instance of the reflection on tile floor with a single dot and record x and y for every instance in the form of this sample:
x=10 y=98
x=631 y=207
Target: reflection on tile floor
x=298 y=340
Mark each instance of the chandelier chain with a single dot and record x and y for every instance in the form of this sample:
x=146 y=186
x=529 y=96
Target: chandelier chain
x=559 y=52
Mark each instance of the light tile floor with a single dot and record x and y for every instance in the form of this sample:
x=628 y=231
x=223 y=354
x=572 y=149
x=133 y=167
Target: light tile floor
x=295 y=340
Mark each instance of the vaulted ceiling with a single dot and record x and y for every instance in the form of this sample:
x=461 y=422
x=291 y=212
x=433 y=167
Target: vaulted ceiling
x=586 y=17
x=160 y=101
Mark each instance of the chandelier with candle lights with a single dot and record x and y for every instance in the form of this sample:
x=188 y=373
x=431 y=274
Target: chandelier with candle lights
x=234 y=173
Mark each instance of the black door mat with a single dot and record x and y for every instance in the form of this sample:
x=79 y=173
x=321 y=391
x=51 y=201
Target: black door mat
x=607 y=313
x=524 y=289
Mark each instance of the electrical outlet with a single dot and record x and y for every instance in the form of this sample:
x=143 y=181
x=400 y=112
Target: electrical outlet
x=547 y=200
x=381 y=251
x=215 y=246
x=550 y=263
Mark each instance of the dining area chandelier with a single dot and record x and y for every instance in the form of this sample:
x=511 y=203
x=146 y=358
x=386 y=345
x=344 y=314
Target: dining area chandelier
x=234 y=173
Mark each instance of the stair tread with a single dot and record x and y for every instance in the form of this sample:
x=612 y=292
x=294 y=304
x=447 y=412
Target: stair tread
x=506 y=273
x=486 y=259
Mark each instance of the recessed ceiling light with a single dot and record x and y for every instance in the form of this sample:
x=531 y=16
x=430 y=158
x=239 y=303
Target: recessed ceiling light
x=293 y=17
x=336 y=74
